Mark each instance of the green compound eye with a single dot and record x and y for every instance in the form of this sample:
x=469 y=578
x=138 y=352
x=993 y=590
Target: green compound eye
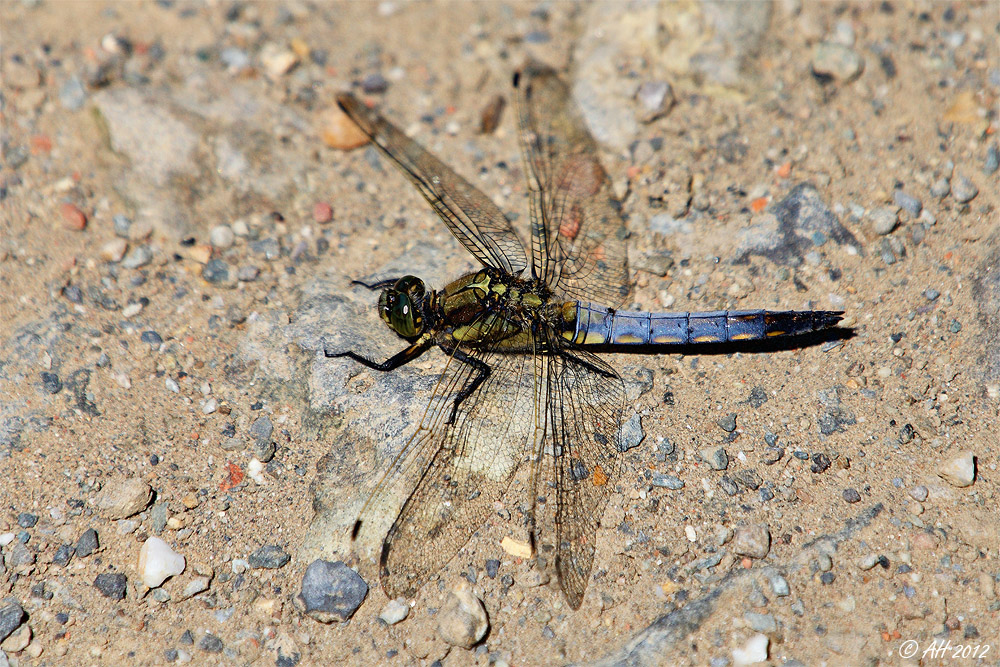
x=400 y=306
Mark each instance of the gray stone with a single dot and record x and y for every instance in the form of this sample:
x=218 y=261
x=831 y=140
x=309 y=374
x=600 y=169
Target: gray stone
x=907 y=202
x=268 y=557
x=667 y=481
x=11 y=615
x=963 y=190
x=215 y=271
x=209 y=643
x=752 y=541
x=884 y=219
x=111 y=585
x=941 y=188
x=137 y=257
x=715 y=457
x=87 y=544
x=331 y=591
x=631 y=434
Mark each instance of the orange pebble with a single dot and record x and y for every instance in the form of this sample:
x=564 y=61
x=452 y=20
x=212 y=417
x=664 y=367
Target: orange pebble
x=784 y=170
x=73 y=217
x=758 y=205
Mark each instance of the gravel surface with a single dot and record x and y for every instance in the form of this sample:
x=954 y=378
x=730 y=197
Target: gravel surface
x=181 y=220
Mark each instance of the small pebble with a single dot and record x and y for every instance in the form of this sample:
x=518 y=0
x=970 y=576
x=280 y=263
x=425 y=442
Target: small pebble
x=51 y=383
x=931 y=294
x=87 y=544
x=63 y=555
x=17 y=641
x=840 y=62
x=919 y=493
x=959 y=471
x=851 y=496
x=322 y=212
x=753 y=541
x=655 y=98
x=221 y=236
x=992 y=161
x=868 y=561
x=963 y=190
x=195 y=586
x=151 y=338
x=121 y=224
x=339 y=131
x=715 y=457
x=884 y=220
x=779 y=585
x=111 y=585
x=268 y=557
x=492 y=568
x=940 y=188
x=215 y=271
x=113 y=250
x=277 y=60
x=907 y=202
x=667 y=481
x=331 y=591
x=752 y=652
x=248 y=274
x=395 y=611
x=772 y=455
x=138 y=257
x=73 y=218
x=374 y=84
x=11 y=615
x=210 y=643
x=462 y=620
x=158 y=562
x=123 y=497
x=27 y=520
x=760 y=622
x=728 y=423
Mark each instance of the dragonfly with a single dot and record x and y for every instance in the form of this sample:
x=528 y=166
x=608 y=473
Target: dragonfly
x=521 y=381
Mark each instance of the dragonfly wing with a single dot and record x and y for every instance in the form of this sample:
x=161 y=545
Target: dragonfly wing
x=578 y=234
x=585 y=403
x=470 y=215
x=463 y=468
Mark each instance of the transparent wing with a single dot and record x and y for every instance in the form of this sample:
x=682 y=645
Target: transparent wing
x=464 y=467
x=470 y=215
x=577 y=231
x=582 y=463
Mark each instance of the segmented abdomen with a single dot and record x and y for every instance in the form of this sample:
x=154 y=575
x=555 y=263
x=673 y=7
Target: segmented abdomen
x=597 y=325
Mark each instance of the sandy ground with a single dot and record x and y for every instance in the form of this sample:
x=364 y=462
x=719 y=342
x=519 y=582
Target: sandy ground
x=817 y=155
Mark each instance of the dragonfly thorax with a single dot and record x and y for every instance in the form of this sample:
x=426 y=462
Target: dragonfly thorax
x=401 y=306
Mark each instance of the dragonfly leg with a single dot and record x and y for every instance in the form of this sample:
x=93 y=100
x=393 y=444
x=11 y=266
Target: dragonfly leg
x=482 y=372
x=388 y=282
x=395 y=361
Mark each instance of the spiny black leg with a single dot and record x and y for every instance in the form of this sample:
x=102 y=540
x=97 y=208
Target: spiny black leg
x=388 y=282
x=482 y=372
x=395 y=361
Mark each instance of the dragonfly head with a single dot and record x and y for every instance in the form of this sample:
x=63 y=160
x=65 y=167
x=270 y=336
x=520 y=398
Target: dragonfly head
x=401 y=306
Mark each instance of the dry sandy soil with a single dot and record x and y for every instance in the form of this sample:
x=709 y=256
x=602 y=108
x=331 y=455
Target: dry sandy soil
x=830 y=155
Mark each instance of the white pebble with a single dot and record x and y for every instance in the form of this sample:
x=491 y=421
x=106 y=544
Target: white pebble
x=172 y=385
x=221 y=236
x=753 y=652
x=395 y=611
x=256 y=471
x=210 y=406
x=959 y=471
x=158 y=562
